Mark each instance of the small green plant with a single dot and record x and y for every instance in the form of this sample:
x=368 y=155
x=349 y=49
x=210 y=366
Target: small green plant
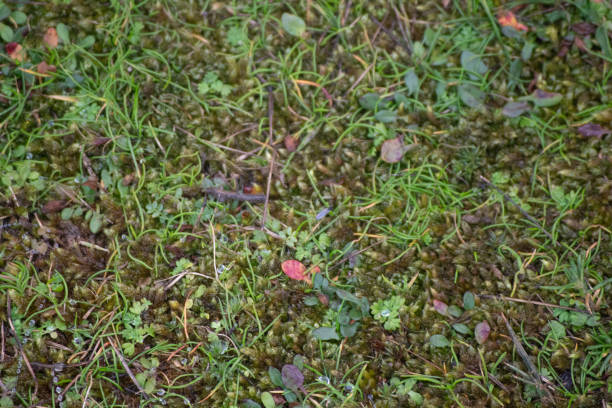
x=212 y=85
x=345 y=309
x=388 y=312
x=135 y=331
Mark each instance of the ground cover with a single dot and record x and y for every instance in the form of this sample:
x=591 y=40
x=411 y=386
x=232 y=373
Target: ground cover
x=314 y=203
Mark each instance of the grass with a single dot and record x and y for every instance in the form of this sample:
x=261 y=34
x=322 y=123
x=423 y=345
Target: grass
x=124 y=282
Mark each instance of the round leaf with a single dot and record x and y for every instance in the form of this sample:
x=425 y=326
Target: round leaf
x=440 y=307
x=468 y=300
x=6 y=33
x=292 y=377
x=392 y=150
x=438 y=340
x=386 y=116
x=294 y=269
x=294 y=25
x=473 y=63
x=325 y=333
x=482 y=331
x=412 y=81
x=369 y=101
x=63 y=33
x=461 y=328
x=471 y=96
x=267 y=400
x=514 y=109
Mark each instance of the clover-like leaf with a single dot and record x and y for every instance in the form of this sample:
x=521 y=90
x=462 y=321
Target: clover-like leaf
x=292 y=377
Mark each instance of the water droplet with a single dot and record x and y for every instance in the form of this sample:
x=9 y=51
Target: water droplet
x=323 y=379
x=348 y=387
x=385 y=313
x=72 y=302
x=161 y=392
x=28 y=155
x=58 y=389
x=55 y=379
x=184 y=361
x=32 y=323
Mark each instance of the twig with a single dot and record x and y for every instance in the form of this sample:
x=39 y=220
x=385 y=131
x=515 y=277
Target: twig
x=534 y=302
x=223 y=195
x=127 y=368
x=525 y=214
x=533 y=371
x=267 y=196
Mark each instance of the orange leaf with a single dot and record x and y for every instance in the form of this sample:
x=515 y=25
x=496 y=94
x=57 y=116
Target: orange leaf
x=507 y=18
x=50 y=38
x=295 y=270
x=15 y=52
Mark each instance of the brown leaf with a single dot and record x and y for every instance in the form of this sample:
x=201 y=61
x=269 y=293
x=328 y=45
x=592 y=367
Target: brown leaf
x=291 y=143
x=53 y=206
x=50 y=38
x=100 y=141
x=129 y=179
x=93 y=184
x=43 y=68
x=584 y=28
x=15 y=52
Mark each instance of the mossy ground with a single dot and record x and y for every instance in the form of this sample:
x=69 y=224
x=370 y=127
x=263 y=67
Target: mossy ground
x=124 y=283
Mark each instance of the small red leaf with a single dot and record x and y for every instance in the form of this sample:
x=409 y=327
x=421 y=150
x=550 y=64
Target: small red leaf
x=482 y=331
x=440 y=307
x=50 y=38
x=507 y=18
x=294 y=269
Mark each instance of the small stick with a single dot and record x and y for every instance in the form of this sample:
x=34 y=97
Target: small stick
x=127 y=368
x=533 y=302
x=267 y=196
x=525 y=357
x=525 y=214
x=223 y=195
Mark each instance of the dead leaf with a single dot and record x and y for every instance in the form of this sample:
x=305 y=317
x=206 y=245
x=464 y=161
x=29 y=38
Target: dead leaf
x=291 y=143
x=295 y=270
x=593 y=130
x=50 y=38
x=393 y=150
x=507 y=19
x=584 y=28
x=53 y=206
x=15 y=52
x=43 y=68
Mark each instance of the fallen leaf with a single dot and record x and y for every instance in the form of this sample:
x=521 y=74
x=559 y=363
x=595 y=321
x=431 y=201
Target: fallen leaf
x=291 y=143
x=508 y=19
x=43 y=68
x=294 y=269
x=50 y=38
x=292 y=377
x=15 y=52
x=593 y=130
x=440 y=307
x=53 y=206
x=482 y=331
x=393 y=150
x=514 y=109
x=584 y=28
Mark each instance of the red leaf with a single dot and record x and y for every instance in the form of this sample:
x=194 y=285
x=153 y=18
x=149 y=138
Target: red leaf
x=507 y=18
x=50 y=38
x=440 y=307
x=15 y=51
x=294 y=269
x=482 y=331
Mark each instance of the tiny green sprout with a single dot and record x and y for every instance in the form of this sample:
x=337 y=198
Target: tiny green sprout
x=387 y=312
